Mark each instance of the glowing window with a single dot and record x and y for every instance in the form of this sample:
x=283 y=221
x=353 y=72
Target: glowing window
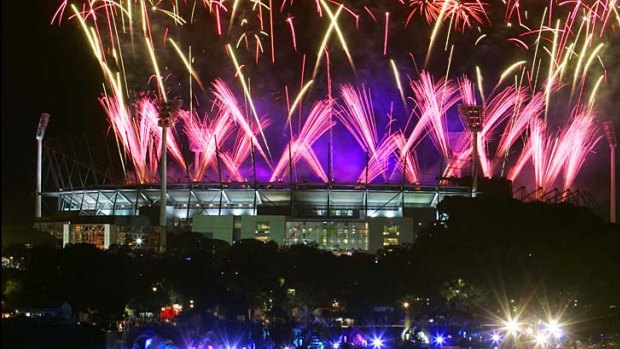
x=262 y=231
x=390 y=235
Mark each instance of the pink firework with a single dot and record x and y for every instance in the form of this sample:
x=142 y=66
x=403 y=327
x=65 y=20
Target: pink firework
x=227 y=101
x=140 y=136
x=356 y=114
x=521 y=118
x=378 y=161
x=580 y=137
x=461 y=156
x=524 y=157
x=134 y=137
x=429 y=9
x=241 y=150
x=148 y=111
x=408 y=163
x=462 y=149
x=205 y=137
x=319 y=122
x=432 y=101
x=467 y=13
x=548 y=155
x=513 y=10
x=498 y=109
x=515 y=128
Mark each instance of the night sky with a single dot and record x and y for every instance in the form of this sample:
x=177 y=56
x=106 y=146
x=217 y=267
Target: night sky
x=44 y=69
x=50 y=69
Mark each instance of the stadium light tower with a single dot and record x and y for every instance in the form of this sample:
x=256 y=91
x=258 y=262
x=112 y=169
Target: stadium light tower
x=45 y=118
x=473 y=116
x=610 y=133
x=167 y=114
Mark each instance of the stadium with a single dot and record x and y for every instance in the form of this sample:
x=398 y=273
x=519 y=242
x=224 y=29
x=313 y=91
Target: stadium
x=340 y=217
x=85 y=204
x=348 y=140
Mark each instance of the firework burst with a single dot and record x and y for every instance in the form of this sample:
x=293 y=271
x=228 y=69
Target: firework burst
x=248 y=51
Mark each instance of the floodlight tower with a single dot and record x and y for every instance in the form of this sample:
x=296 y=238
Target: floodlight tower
x=45 y=118
x=473 y=116
x=167 y=114
x=610 y=133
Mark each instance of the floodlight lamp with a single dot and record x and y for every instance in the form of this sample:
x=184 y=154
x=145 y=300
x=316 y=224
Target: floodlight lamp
x=168 y=112
x=472 y=115
x=45 y=118
x=610 y=133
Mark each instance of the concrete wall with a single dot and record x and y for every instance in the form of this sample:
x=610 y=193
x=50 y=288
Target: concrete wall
x=376 y=227
x=277 y=227
x=217 y=227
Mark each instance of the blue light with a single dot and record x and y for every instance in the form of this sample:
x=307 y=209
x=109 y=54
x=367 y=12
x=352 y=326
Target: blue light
x=147 y=343
x=495 y=337
x=336 y=345
x=439 y=340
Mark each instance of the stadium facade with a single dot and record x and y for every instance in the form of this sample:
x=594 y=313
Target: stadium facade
x=338 y=218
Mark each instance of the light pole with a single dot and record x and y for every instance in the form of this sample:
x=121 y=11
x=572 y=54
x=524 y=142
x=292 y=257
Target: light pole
x=45 y=118
x=610 y=133
x=473 y=116
x=167 y=114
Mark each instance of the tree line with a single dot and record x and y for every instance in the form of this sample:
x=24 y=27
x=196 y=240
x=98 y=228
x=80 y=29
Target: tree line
x=486 y=256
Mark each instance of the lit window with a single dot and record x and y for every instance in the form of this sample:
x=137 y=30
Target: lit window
x=262 y=231
x=390 y=235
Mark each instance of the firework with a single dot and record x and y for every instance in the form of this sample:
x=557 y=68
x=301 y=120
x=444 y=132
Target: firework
x=165 y=49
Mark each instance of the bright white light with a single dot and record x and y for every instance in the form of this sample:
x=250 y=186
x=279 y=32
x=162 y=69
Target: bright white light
x=377 y=343
x=495 y=337
x=553 y=328
x=439 y=340
x=336 y=345
x=424 y=337
x=139 y=241
x=512 y=326
x=541 y=339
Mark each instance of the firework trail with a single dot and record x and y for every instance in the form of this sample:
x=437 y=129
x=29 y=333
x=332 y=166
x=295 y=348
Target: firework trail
x=580 y=138
x=432 y=101
x=204 y=138
x=140 y=135
x=378 y=162
x=564 y=152
x=160 y=46
x=408 y=164
x=227 y=100
x=463 y=14
x=429 y=9
x=356 y=114
x=241 y=150
x=318 y=123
